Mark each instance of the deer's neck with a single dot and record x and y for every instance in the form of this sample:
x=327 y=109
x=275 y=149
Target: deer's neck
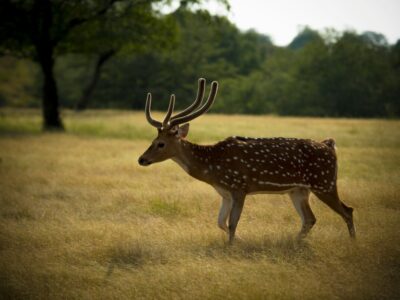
x=194 y=159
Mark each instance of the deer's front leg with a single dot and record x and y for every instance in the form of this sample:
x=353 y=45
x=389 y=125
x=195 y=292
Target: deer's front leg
x=224 y=212
x=236 y=211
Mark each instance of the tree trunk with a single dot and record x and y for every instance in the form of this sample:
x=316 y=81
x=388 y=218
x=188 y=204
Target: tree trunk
x=88 y=91
x=45 y=56
x=51 y=115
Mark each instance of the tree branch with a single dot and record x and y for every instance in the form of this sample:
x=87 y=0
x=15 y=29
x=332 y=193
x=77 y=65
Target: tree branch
x=75 y=22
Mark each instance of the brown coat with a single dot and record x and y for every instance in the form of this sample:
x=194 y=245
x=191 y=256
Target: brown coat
x=263 y=164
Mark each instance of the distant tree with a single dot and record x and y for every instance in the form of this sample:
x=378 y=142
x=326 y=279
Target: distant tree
x=205 y=46
x=356 y=82
x=254 y=50
x=392 y=86
x=374 y=38
x=304 y=37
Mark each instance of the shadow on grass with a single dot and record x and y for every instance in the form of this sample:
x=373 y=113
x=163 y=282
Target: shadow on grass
x=18 y=133
x=134 y=255
x=277 y=249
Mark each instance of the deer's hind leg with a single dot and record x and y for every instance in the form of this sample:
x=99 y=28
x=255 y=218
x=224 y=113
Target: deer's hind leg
x=346 y=212
x=300 y=197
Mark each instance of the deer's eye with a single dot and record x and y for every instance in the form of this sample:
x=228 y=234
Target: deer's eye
x=161 y=145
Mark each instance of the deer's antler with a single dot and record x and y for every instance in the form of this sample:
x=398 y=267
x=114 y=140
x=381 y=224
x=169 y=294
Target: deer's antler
x=187 y=114
x=148 y=113
x=200 y=95
x=169 y=111
x=206 y=106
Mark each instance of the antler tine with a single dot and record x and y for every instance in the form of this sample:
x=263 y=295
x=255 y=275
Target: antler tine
x=148 y=113
x=199 y=98
x=170 y=110
x=200 y=111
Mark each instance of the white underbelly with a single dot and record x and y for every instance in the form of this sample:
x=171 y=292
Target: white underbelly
x=272 y=192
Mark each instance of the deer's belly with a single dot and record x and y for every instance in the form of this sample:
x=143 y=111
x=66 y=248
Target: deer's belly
x=271 y=188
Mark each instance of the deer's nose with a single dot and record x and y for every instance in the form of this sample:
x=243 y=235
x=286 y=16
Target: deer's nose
x=143 y=162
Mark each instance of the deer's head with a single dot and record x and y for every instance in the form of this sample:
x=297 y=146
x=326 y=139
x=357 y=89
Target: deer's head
x=170 y=131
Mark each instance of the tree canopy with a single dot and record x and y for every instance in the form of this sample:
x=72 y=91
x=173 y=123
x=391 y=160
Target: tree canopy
x=45 y=29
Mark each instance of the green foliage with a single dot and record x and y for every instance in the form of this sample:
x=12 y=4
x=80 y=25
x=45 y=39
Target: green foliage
x=203 y=46
x=350 y=76
x=18 y=82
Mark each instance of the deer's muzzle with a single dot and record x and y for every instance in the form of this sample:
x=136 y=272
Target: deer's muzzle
x=143 y=161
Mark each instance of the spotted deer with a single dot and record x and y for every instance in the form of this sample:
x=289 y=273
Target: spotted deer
x=240 y=166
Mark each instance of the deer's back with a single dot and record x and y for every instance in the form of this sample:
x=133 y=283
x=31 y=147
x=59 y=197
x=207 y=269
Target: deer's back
x=275 y=164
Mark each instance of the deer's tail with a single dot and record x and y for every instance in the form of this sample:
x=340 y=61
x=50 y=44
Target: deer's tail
x=330 y=143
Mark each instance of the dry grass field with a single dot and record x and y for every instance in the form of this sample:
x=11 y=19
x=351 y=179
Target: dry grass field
x=80 y=219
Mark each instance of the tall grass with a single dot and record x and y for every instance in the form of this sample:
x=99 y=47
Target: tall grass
x=79 y=219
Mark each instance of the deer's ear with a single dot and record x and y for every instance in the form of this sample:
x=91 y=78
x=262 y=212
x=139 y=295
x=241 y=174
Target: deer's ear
x=183 y=131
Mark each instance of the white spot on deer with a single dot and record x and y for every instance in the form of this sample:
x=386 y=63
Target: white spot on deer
x=254 y=169
x=228 y=159
x=218 y=167
x=205 y=171
x=315 y=175
x=236 y=172
x=235 y=158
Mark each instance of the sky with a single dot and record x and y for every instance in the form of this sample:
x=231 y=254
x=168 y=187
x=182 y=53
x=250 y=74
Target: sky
x=282 y=19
